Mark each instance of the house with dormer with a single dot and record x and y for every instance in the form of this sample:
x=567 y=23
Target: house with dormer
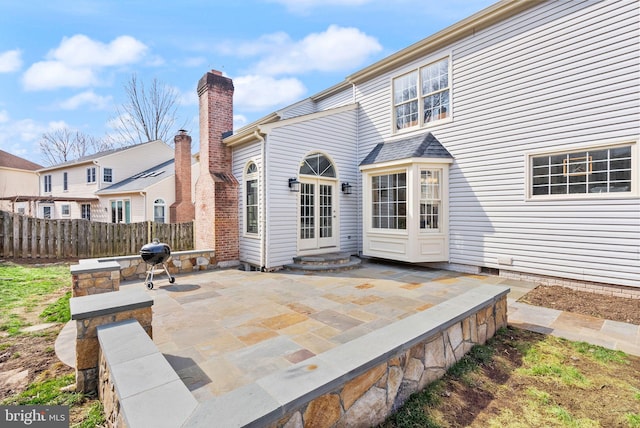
x=505 y=143
x=125 y=185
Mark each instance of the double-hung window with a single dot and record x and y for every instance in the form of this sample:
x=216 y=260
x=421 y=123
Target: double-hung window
x=65 y=181
x=251 y=199
x=596 y=171
x=422 y=96
x=47 y=183
x=430 y=199
x=91 y=174
x=86 y=211
x=107 y=175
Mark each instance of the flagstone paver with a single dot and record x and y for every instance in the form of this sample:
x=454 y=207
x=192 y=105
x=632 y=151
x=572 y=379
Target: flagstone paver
x=222 y=330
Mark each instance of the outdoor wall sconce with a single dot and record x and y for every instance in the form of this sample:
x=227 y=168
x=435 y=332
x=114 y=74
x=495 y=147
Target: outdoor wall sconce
x=346 y=188
x=294 y=185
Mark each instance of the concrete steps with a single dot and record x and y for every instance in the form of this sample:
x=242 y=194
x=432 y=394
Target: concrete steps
x=329 y=262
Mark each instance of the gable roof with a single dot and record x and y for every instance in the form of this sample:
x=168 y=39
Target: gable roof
x=7 y=160
x=421 y=146
x=142 y=180
x=94 y=156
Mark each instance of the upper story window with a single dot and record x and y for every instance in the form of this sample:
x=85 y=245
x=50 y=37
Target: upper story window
x=251 y=198
x=430 y=199
x=65 y=181
x=47 y=183
x=422 y=96
x=107 y=175
x=597 y=171
x=389 y=201
x=91 y=174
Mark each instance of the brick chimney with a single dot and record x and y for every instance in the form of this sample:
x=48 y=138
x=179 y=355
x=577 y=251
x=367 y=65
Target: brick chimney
x=216 y=189
x=182 y=210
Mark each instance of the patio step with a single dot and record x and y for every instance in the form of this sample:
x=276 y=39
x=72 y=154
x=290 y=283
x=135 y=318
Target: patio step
x=330 y=262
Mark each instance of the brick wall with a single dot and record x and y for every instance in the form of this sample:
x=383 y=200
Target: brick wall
x=216 y=210
x=182 y=210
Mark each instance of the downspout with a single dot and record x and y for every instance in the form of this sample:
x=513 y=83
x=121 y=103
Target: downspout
x=263 y=217
x=360 y=230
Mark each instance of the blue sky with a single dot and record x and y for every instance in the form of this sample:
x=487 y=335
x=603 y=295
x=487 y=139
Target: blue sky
x=64 y=63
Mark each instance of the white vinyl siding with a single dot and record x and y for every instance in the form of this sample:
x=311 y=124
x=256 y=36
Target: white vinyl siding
x=338 y=99
x=249 y=244
x=563 y=75
x=333 y=135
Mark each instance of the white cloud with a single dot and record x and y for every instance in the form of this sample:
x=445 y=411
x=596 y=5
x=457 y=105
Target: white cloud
x=336 y=49
x=52 y=75
x=87 y=98
x=254 y=93
x=4 y=116
x=76 y=63
x=10 y=61
x=80 y=50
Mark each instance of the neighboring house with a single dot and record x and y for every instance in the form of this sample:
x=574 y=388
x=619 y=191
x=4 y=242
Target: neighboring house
x=125 y=185
x=18 y=178
x=507 y=142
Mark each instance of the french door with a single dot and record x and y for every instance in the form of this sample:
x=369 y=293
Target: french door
x=318 y=225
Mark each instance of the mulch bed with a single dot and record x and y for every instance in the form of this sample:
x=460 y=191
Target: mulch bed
x=585 y=303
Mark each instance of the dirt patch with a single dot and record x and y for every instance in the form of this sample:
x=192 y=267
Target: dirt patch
x=33 y=353
x=536 y=380
x=585 y=303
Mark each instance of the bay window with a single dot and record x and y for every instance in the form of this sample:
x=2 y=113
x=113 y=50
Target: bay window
x=430 y=199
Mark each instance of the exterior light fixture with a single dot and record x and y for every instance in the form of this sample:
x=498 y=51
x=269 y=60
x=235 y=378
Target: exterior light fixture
x=294 y=185
x=346 y=188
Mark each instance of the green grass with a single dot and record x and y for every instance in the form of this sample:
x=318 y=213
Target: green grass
x=47 y=392
x=58 y=311
x=95 y=417
x=25 y=287
x=600 y=354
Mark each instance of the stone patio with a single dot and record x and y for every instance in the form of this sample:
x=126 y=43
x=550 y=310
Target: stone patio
x=221 y=330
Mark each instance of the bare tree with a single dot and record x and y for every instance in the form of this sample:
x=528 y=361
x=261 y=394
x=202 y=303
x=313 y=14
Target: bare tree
x=63 y=145
x=149 y=113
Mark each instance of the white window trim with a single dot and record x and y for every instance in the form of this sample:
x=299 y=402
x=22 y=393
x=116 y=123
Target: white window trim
x=95 y=175
x=417 y=68
x=601 y=145
x=62 y=210
x=245 y=177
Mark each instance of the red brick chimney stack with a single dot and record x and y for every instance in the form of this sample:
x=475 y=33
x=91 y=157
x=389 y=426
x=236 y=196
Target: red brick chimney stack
x=182 y=210
x=216 y=189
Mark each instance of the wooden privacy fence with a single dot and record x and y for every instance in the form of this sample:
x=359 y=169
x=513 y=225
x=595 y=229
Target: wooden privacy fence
x=61 y=239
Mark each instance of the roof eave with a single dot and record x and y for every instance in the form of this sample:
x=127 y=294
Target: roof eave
x=483 y=19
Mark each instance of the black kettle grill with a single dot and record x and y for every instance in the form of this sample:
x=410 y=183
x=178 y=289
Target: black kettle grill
x=154 y=254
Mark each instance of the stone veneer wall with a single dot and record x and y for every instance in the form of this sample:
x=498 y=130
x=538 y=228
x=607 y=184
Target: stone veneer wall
x=93 y=311
x=368 y=399
x=133 y=267
x=92 y=277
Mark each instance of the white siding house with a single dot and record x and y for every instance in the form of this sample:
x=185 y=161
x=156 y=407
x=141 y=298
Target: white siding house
x=507 y=142
x=126 y=185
